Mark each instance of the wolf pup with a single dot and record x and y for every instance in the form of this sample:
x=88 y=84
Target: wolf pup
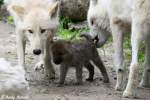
x=36 y=21
x=77 y=55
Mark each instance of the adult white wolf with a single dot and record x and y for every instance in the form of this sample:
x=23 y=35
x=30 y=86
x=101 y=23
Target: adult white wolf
x=36 y=21
x=116 y=18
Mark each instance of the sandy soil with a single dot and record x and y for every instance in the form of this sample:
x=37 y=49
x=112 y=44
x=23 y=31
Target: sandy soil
x=42 y=89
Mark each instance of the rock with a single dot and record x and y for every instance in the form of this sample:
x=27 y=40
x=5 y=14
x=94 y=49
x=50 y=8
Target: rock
x=75 y=10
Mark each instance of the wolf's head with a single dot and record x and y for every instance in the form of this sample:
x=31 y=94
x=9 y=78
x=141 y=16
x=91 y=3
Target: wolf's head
x=98 y=22
x=37 y=22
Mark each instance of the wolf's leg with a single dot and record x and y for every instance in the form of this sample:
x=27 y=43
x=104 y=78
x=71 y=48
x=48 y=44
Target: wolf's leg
x=118 y=54
x=21 y=42
x=146 y=75
x=40 y=64
x=45 y=62
x=49 y=69
x=136 y=39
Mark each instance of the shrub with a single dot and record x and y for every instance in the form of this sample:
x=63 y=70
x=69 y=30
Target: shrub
x=1 y=2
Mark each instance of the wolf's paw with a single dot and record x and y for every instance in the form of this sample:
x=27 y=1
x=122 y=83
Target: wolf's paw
x=144 y=84
x=39 y=66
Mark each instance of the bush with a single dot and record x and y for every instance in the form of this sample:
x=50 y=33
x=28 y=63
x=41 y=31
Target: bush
x=1 y=2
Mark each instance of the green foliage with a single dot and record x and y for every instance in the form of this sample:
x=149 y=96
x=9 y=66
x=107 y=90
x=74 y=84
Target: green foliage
x=65 y=33
x=127 y=47
x=1 y=2
x=68 y=34
x=64 y=22
x=141 y=53
x=10 y=19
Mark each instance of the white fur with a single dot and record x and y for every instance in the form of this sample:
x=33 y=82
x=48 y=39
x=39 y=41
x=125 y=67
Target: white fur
x=118 y=17
x=12 y=80
x=35 y=15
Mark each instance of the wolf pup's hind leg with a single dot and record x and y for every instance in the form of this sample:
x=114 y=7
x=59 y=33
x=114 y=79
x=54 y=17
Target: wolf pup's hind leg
x=90 y=68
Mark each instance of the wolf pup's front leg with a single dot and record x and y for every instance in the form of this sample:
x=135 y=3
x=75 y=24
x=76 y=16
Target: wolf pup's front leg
x=40 y=65
x=49 y=69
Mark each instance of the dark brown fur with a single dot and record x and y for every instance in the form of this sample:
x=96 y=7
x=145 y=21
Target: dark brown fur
x=77 y=55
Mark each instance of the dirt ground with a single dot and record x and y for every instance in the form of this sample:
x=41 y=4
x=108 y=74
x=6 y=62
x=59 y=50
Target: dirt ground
x=42 y=89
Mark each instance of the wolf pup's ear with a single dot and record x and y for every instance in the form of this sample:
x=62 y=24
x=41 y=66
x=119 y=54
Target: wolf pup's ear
x=53 y=9
x=20 y=11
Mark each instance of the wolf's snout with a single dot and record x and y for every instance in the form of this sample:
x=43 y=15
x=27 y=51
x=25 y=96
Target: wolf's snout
x=37 y=51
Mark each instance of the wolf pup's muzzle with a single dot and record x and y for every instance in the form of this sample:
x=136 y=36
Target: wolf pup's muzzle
x=57 y=61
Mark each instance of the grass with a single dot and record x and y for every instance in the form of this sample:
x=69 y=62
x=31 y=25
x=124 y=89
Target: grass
x=68 y=34
x=10 y=19
x=127 y=47
x=65 y=33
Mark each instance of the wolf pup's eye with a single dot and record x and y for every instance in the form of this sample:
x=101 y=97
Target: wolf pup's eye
x=43 y=30
x=30 y=31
